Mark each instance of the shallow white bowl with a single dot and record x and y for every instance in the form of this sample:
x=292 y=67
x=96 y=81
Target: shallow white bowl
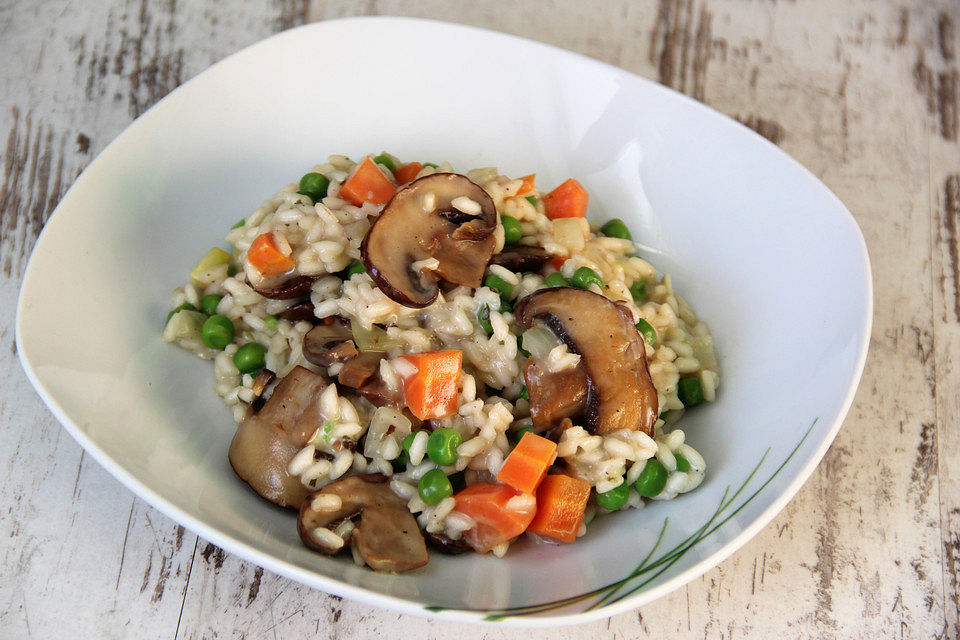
x=762 y=250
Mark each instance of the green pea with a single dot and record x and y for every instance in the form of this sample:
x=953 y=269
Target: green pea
x=682 y=463
x=584 y=277
x=532 y=200
x=520 y=348
x=250 y=357
x=512 y=232
x=652 y=479
x=483 y=317
x=516 y=436
x=356 y=267
x=499 y=284
x=690 y=391
x=386 y=161
x=314 y=186
x=272 y=323
x=434 y=486
x=615 y=498
x=430 y=164
x=217 y=332
x=639 y=291
x=208 y=304
x=616 y=229
x=185 y=306
x=524 y=394
x=233 y=270
x=647 y=331
x=442 y=446
x=239 y=224
x=556 y=280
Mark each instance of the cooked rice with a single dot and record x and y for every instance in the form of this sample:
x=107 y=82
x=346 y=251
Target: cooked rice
x=324 y=238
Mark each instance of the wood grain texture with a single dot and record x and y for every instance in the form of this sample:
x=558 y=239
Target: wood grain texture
x=863 y=94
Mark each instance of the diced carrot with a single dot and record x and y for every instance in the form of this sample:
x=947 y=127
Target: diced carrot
x=498 y=520
x=527 y=464
x=407 y=172
x=267 y=258
x=527 y=186
x=569 y=200
x=367 y=184
x=557 y=262
x=431 y=392
x=561 y=501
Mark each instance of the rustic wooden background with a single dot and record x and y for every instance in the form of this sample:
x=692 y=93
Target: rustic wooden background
x=864 y=94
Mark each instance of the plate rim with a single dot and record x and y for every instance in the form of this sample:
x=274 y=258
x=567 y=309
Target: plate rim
x=367 y=596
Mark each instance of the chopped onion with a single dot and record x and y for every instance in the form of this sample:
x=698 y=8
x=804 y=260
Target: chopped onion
x=703 y=351
x=184 y=328
x=372 y=339
x=380 y=426
x=571 y=233
x=539 y=341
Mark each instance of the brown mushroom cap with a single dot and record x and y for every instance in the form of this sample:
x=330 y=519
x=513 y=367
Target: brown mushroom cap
x=620 y=394
x=328 y=343
x=266 y=441
x=387 y=537
x=284 y=289
x=363 y=374
x=519 y=259
x=262 y=381
x=421 y=222
x=445 y=544
x=302 y=311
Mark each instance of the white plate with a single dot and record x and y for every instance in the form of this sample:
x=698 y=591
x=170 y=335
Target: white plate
x=763 y=251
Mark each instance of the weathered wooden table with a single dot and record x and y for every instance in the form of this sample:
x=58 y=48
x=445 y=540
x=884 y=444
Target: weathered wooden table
x=864 y=94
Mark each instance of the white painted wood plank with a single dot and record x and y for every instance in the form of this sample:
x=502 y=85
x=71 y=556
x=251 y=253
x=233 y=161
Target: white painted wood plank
x=945 y=196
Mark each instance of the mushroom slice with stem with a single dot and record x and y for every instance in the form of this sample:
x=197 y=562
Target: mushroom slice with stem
x=438 y=227
x=620 y=392
x=267 y=440
x=387 y=536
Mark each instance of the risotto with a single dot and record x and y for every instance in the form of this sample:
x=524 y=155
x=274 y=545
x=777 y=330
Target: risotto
x=415 y=357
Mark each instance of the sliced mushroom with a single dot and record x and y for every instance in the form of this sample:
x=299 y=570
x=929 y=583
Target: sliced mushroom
x=363 y=374
x=555 y=395
x=446 y=544
x=286 y=289
x=262 y=381
x=380 y=395
x=620 y=393
x=443 y=216
x=302 y=311
x=359 y=370
x=266 y=441
x=521 y=259
x=387 y=536
x=328 y=343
